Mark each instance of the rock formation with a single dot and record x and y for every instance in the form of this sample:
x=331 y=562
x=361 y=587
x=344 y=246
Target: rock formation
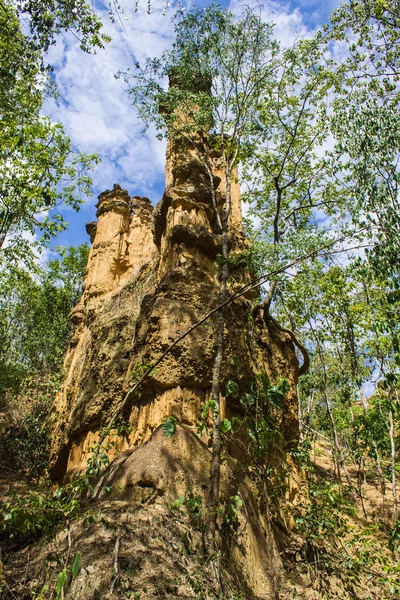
x=152 y=273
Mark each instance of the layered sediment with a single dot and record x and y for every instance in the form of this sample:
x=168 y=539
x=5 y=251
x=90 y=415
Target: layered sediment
x=152 y=274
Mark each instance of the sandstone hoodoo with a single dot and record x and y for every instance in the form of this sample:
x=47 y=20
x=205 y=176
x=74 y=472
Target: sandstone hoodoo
x=151 y=275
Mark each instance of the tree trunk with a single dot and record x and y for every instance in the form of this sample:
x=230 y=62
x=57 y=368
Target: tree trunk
x=337 y=447
x=6 y=219
x=375 y=447
x=216 y=377
x=393 y=466
x=341 y=463
x=271 y=543
x=300 y=416
x=216 y=439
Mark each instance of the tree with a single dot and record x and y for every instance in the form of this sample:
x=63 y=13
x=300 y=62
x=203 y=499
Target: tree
x=304 y=196
x=34 y=331
x=365 y=122
x=48 y=18
x=34 y=320
x=39 y=168
x=286 y=171
x=344 y=315
x=302 y=188
x=302 y=192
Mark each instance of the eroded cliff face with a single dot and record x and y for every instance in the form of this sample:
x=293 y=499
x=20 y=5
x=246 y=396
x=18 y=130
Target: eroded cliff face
x=153 y=273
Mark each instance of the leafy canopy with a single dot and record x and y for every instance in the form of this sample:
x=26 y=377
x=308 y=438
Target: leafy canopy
x=39 y=168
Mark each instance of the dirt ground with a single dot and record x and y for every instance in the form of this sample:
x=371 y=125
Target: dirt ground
x=149 y=550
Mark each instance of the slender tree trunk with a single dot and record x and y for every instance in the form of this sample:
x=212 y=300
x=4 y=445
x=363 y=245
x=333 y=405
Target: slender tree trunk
x=310 y=404
x=269 y=297
x=379 y=469
x=216 y=377
x=216 y=439
x=359 y=458
x=6 y=219
x=351 y=411
x=337 y=447
x=299 y=415
x=341 y=463
x=271 y=544
x=393 y=466
x=375 y=447
x=359 y=462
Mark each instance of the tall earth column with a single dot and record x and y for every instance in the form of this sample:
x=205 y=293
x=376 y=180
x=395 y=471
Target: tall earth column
x=152 y=274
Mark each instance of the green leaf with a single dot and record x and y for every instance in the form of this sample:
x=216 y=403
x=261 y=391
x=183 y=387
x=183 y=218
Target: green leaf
x=76 y=565
x=265 y=382
x=232 y=388
x=252 y=435
x=169 y=426
x=283 y=386
x=178 y=502
x=237 y=500
x=275 y=397
x=61 y=583
x=225 y=425
x=247 y=400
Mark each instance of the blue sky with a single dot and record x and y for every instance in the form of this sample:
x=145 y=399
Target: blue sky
x=95 y=109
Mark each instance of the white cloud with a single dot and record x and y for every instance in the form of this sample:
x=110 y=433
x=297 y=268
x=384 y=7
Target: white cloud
x=289 y=21
x=95 y=108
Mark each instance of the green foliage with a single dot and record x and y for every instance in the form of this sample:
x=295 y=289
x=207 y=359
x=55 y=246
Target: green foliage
x=169 y=426
x=61 y=583
x=350 y=321
x=209 y=406
x=67 y=575
x=323 y=514
x=263 y=406
x=286 y=169
x=232 y=389
x=365 y=122
x=35 y=330
x=370 y=29
x=76 y=565
x=39 y=169
x=335 y=541
x=28 y=516
x=372 y=425
x=213 y=54
x=193 y=504
x=394 y=538
x=261 y=409
x=41 y=594
x=225 y=425
x=34 y=317
x=231 y=515
x=139 y=370
x=301 y=454
x=26 y=445
x=47 y=18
